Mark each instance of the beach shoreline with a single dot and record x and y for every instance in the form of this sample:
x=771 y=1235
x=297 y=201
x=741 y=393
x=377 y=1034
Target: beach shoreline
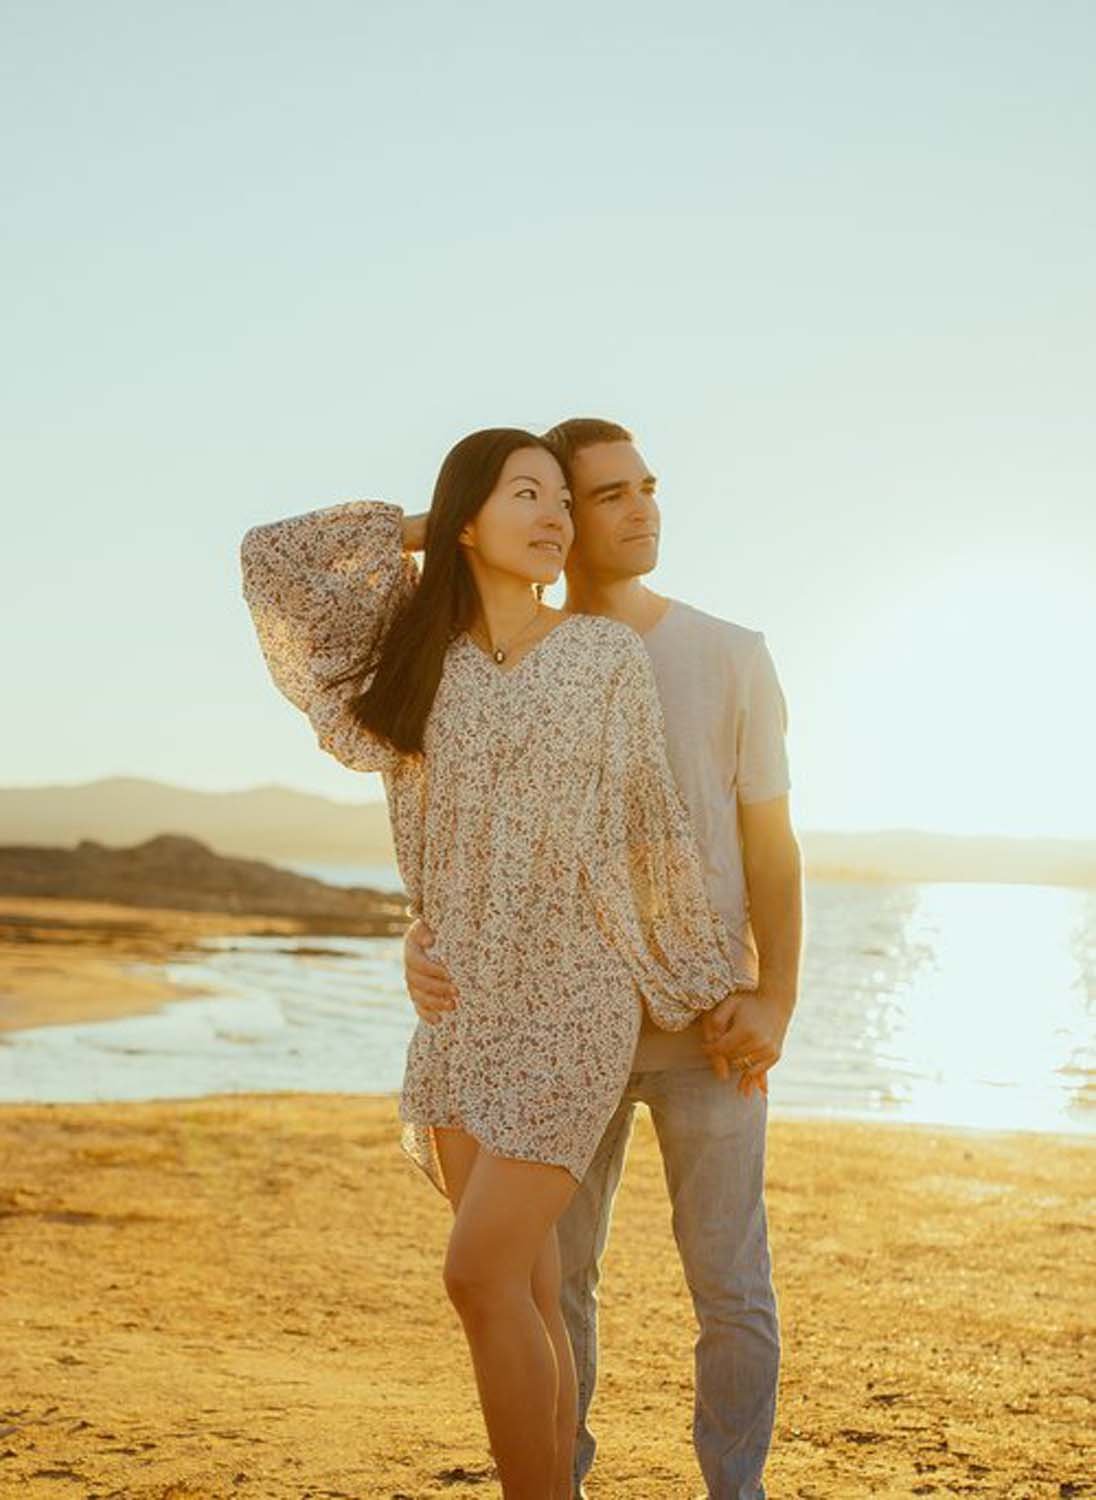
x=64 y=961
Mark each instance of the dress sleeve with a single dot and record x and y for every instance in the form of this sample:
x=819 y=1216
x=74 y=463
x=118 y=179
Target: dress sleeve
x=322 y=588
x=644 y=867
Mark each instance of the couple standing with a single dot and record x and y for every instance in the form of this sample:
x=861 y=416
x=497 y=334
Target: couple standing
x=582 y=939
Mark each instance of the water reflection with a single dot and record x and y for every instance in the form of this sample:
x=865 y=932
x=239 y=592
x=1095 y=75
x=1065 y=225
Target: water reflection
x=968 y=1004
x=961 y=1004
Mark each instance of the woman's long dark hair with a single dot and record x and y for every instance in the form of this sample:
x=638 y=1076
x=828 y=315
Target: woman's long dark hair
x=408 y=665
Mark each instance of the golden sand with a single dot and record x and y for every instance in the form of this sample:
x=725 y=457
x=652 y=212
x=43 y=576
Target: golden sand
x=242 y=1296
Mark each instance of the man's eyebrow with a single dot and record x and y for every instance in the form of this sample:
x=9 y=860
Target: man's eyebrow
x=619 y=484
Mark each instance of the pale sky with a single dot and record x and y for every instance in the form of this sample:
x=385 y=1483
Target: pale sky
x=833 y=264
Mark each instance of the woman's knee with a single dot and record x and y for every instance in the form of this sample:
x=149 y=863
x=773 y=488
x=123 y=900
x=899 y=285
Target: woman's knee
x=474 y=1285
x=504 y=1230
x=463 y=1281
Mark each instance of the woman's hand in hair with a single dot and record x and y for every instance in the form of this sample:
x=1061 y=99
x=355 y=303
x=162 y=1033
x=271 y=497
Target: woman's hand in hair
x=428 y=983
x=414 y=532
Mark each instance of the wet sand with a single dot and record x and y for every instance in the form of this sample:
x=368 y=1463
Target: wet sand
x=71 y=961
x=242 y=1295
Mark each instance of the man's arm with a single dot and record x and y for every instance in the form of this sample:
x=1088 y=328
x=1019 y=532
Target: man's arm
x=753 y=1023
x=773 y=867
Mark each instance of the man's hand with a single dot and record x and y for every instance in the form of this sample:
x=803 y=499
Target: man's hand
x=432 y=991
x=750 y=1024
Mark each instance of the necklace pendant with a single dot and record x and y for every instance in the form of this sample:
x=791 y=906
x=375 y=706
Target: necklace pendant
x=500 y=655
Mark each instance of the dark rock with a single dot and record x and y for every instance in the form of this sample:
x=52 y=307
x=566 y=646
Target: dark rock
x=179 y=873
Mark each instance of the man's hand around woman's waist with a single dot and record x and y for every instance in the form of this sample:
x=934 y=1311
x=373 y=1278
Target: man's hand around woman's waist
x=428 y=983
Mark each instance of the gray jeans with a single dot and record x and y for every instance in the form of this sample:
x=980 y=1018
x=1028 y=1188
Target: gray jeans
x=712 y=1140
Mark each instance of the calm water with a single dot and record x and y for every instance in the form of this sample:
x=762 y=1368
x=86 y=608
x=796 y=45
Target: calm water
x=960 y=1004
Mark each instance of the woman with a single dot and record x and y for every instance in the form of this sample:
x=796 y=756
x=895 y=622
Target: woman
x=540 y=835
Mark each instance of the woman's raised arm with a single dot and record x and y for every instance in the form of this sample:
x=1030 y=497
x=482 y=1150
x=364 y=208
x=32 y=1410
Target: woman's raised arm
x=323 y=588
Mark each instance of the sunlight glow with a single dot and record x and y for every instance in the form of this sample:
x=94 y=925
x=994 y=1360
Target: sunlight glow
x=966 y=702
x=990 y=1029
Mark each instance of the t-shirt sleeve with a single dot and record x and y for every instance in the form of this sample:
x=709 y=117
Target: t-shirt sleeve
x=761 y=731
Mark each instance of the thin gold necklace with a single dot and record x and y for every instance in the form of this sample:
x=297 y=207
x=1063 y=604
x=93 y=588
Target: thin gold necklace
x=502 y=650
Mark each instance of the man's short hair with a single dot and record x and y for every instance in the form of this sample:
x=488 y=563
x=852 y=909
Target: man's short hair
x=568 y=438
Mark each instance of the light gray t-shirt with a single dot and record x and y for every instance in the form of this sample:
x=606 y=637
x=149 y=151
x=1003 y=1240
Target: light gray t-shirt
x=726 y=722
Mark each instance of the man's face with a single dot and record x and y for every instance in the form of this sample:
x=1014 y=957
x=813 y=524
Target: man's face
x=616 y=515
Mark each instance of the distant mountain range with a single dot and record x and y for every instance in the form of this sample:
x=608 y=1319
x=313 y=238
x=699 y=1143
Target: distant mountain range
x=263 y=822
x=279 y=824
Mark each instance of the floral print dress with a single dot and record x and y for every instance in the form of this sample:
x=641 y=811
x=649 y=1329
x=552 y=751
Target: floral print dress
x=540 y=835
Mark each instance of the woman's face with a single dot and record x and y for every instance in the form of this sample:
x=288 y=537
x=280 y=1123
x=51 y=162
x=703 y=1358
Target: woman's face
x=524 y=526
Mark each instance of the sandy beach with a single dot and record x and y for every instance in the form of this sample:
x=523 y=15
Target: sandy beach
x=242 y=1296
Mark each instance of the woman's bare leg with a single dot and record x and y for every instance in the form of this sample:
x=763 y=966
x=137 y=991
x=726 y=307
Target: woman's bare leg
x=547 y=1277
x=457 y=1152
x=504 y=1212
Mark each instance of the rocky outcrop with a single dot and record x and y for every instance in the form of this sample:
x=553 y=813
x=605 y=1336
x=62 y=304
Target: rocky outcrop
x=180 y=873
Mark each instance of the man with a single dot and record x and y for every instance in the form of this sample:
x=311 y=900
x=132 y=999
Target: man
x=726 y=721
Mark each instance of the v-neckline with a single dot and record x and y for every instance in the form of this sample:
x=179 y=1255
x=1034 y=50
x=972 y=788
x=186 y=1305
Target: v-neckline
x=496 y=669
